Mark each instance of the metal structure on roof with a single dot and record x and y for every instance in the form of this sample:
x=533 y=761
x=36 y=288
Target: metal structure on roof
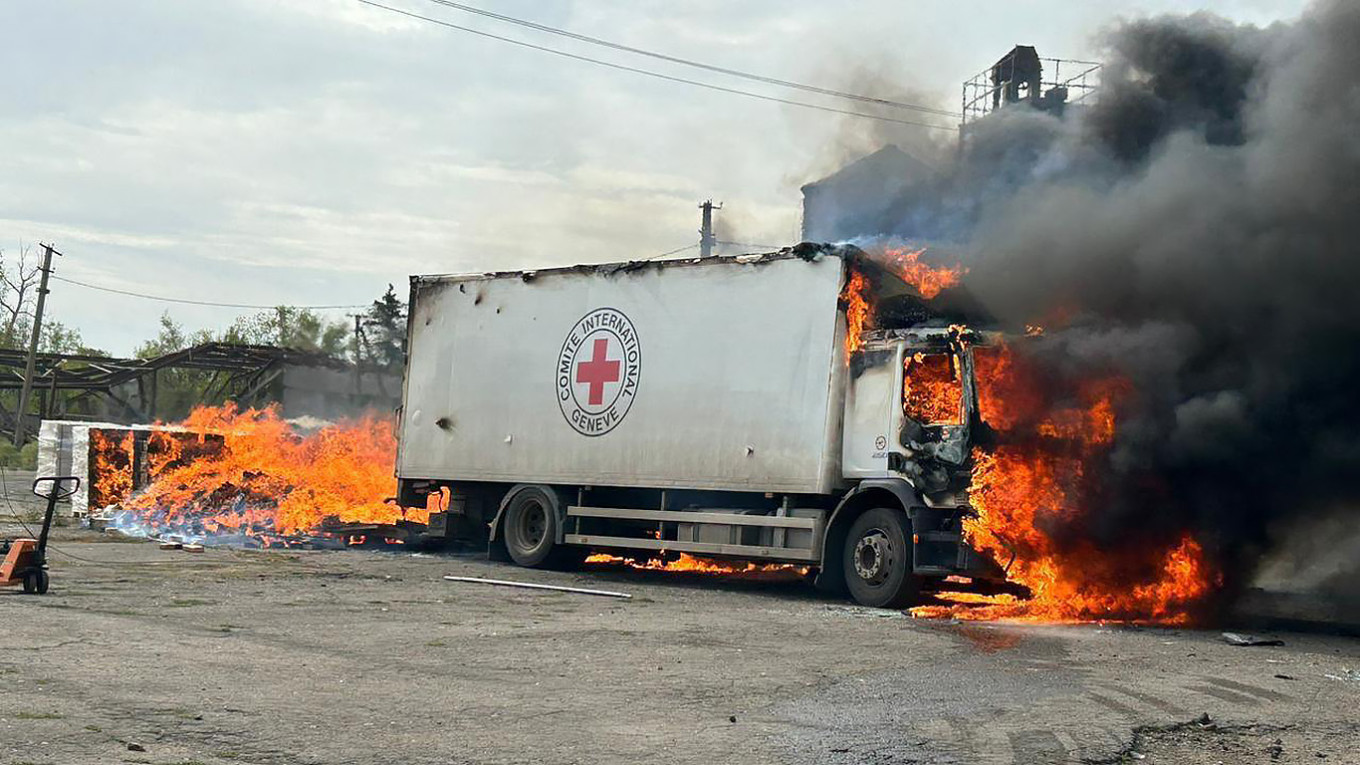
x=1023 y=76
x=240 y=372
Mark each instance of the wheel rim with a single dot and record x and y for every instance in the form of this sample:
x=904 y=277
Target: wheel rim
x=531 y=526
x=874 y=557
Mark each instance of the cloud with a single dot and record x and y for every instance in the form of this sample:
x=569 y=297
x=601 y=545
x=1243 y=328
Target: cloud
x=257 y=150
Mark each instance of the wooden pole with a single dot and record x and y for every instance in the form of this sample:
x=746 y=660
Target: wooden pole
x=29 y=368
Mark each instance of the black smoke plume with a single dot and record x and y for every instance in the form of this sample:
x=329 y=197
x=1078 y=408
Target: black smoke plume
x=1199 y=230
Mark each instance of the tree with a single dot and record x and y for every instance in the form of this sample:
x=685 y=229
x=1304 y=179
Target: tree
x=20 y=279
x=59 y=338
x=287 y=327
x=171 y=338
x=18 y=288
x=384 y=326
x=19 y=282
x=177 y=390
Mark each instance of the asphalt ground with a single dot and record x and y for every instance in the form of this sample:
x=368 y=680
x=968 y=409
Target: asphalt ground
x=144 y=655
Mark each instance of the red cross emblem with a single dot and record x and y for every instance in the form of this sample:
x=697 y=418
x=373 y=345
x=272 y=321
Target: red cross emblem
x=598 y=371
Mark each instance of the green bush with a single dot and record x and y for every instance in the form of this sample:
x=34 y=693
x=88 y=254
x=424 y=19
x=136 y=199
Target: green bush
x=24 y=459
x=28 y=456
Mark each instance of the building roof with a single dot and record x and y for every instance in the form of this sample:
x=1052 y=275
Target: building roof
x=889 y=161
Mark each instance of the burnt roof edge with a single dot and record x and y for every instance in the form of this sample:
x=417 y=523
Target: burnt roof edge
x=808 y=251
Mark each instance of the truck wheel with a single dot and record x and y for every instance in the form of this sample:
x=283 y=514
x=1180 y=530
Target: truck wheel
x=530 y=529
x=877 y=560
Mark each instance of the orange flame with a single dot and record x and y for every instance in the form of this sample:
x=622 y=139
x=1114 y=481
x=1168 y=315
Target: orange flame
x=928 y=280
x=111 y=458
x=690 y=563
x=931 y=391
x=1040 y=478
x=856 y=312
x=248 y=472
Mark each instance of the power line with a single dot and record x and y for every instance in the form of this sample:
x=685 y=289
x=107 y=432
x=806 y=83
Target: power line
x=672 y=252
x=263 y=306
x=770 y=247
x=187 y=301
x=658 y=75
x=697 y=64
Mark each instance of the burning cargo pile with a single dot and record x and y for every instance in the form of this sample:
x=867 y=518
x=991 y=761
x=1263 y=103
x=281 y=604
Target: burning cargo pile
x=113 y=461
x=247 y=477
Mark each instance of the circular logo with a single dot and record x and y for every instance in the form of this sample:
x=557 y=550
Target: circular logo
x=597 y=371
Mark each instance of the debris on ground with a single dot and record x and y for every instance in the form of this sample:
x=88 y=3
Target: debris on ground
x=1350 y=675
x=875 y=613
x=1239 y=639
x=529 y=586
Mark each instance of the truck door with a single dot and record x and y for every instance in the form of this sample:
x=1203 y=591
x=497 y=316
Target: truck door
x=872 y=411
x=938 y=401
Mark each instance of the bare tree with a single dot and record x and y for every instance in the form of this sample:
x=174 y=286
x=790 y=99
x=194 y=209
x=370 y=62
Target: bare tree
x=18 y=288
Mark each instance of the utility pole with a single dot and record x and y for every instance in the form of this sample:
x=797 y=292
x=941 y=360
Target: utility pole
x=31 y=366
x=281 y=312
x=706 y=239
x=358 y=375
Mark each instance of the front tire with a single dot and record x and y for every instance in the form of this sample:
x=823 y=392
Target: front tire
x=877 y=560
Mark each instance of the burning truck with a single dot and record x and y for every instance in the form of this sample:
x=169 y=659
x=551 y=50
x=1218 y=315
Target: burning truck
x=814 y=406
x=822 y=409
x=1187 y=240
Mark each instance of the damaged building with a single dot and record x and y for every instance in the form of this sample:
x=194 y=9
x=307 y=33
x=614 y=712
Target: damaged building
x=891 y=192
x=123 y=391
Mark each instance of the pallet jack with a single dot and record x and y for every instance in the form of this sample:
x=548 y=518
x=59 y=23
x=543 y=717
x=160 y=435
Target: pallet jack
x=26 y=559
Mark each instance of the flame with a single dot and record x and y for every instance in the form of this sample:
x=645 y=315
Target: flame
x=690 y=563
x=931 y=392
x=928 y=280
x=1043 y=477
x=856 y=312
x=111 y=463
x=226 y=471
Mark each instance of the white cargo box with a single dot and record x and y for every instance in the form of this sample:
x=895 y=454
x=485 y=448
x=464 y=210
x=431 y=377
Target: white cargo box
x=720 y=373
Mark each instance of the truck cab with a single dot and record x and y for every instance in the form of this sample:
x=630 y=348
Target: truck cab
x=911 y=413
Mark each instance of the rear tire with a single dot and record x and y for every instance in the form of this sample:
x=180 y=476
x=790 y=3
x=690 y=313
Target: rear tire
x=877 y=560
x=530 y=529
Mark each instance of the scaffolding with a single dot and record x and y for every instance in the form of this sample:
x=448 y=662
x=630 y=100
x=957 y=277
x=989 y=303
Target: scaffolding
x=1022 y=76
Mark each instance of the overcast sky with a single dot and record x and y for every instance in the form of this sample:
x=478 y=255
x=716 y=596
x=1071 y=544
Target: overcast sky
x=312 y=151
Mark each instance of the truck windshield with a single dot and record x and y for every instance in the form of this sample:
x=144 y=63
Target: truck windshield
x=932 y=393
